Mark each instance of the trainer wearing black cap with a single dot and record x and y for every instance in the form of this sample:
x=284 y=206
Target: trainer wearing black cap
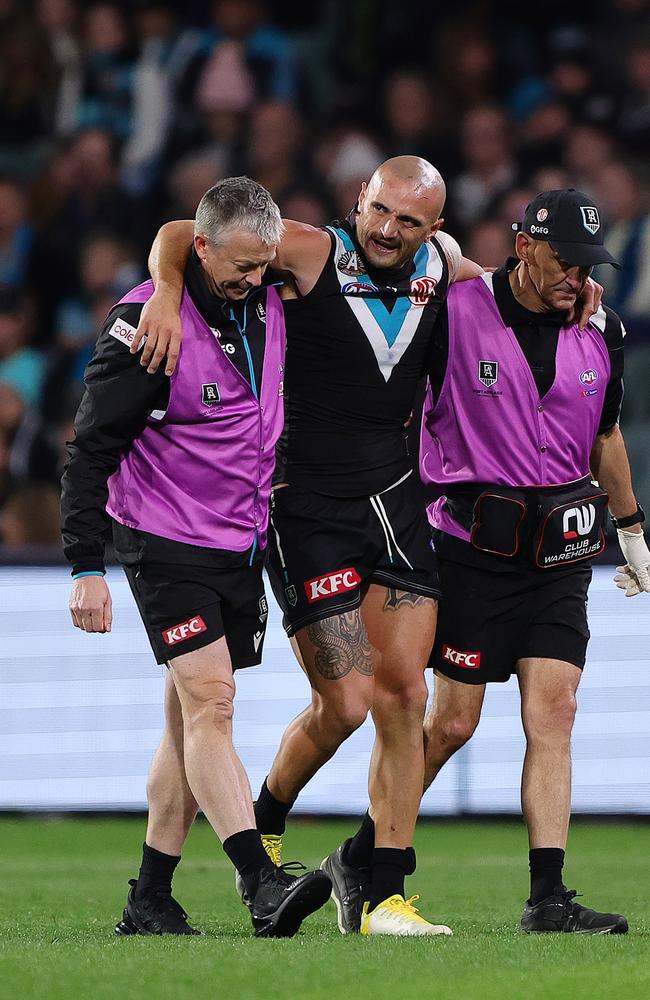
x=523 y=410
x=570 y=222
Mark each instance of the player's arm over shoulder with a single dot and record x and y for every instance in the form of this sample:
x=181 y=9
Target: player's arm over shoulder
x=460 y=268
x=302 y=252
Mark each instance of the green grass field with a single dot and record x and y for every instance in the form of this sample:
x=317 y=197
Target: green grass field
x=63 y=884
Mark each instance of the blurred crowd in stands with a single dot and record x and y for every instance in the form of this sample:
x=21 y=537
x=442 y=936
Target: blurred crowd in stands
x=116 y=117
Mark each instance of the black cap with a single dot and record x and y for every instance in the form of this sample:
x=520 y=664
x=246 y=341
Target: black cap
x=571 y=223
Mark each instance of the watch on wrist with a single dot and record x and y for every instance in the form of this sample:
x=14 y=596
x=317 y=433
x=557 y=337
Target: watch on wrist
x=627 y=522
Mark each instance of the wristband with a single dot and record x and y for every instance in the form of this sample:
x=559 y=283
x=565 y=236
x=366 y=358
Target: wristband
x=90 y=572
x=626 y=522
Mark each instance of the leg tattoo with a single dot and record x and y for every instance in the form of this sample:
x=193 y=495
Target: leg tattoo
x=395 y=598
x=341 y=646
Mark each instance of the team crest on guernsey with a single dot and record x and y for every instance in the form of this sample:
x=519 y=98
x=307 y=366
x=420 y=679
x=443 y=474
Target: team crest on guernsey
x=210 y=394
x=350 y=263
x=488 y=372
x=291 y=595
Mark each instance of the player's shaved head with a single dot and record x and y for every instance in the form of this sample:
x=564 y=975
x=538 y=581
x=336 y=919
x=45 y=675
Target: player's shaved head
x=399 y=208
x=422 y=174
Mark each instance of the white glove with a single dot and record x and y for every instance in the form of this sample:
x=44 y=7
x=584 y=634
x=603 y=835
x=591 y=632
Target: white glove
x=634 y=577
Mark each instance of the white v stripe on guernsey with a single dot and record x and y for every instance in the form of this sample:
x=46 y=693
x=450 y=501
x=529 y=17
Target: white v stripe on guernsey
x=387 y=355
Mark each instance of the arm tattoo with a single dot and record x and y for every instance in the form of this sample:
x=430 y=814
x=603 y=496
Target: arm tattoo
x=341 y=646
x=395 y=598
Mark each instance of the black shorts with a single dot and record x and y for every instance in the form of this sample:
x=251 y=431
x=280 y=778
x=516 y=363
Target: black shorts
x=323 y=550
x=189 y=596
x=494 y=612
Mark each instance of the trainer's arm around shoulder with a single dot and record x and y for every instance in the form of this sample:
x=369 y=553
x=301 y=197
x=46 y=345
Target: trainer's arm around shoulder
x=117 y=400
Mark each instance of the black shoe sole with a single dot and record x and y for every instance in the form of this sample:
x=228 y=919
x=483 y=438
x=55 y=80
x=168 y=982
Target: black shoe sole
x=305 y=899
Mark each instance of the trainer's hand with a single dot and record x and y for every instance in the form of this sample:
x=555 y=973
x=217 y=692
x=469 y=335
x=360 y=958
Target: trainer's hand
x=160 y=324
x=587 y=304
x=634 y=577
x=90 y=604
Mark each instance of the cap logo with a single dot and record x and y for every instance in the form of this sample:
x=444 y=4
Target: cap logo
x=590 y=219
x=542 y=215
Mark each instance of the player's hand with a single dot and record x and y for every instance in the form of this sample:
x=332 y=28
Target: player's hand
x=634 y=577
x=90 y=604
x=160 y=324
x=587 y=304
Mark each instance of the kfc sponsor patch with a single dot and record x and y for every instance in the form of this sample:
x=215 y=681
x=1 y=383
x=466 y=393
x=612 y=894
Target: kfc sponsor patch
x=178 y=633
x=331 y=584
x=461 y=659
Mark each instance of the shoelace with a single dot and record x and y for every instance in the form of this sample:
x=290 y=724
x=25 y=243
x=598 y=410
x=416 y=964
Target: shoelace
x=288 y=867
x=403 y=908
x=274 y=849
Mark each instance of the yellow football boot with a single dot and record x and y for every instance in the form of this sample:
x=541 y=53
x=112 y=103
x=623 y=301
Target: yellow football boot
x=398 y=917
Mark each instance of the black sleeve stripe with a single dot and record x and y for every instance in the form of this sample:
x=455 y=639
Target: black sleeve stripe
x=613 y=335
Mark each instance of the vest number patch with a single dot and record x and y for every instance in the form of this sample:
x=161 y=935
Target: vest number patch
x=210 y=394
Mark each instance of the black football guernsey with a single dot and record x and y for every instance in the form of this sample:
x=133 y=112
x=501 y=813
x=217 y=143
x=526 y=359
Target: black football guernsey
x=357 y=347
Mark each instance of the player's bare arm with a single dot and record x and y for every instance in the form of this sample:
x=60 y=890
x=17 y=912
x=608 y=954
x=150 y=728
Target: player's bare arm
x=300 y=259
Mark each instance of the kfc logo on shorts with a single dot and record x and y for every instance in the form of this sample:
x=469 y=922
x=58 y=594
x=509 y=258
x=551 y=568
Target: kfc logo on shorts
x=470 y=660
x=194 y=626
x=327 y=586
x=421 y=290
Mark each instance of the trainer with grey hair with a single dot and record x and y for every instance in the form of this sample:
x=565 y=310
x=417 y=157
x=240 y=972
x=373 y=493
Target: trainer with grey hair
x=238 y=203
x=178 y=469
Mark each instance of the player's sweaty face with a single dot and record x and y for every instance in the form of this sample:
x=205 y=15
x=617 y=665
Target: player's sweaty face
x=395 y=218
x=233 y=269
x=557 y=282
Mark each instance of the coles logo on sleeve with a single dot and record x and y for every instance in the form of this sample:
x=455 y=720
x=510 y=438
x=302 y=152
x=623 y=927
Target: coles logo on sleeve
x=124 y=332
x=333 y=583
x=193 y=626
x=459 y=659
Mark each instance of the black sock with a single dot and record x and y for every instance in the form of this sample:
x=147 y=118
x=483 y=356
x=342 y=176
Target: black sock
x=156 y=870
x=358 y=850
x=248 y=856
x=388 y=868
x=546 y=865
x=270 y=813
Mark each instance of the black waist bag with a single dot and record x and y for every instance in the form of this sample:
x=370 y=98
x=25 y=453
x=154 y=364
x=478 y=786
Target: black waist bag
x=571 y=526
x=498 y=521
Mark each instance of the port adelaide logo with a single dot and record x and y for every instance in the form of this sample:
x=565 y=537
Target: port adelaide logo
x=488 y=372
x=210 y=394
x=350 y=263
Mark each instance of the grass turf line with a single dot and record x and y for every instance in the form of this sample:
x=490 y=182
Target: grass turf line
x=63 y=886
